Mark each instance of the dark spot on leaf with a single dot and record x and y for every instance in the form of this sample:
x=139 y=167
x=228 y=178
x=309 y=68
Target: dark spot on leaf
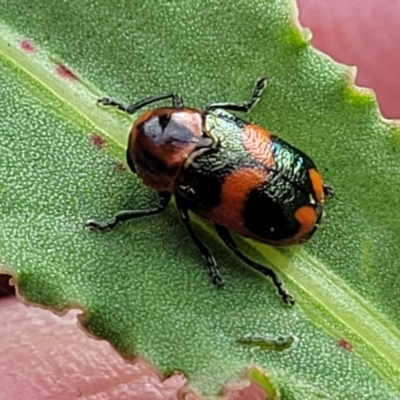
x=27 y=46
x=119 y=166
x=65 y=72
x=5 y=288
x=97 y=140
x=344 y=344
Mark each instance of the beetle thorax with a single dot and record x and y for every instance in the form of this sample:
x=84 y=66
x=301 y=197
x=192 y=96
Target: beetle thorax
x=160 y=142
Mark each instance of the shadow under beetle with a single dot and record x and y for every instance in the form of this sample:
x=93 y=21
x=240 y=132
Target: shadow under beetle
x=234 y=173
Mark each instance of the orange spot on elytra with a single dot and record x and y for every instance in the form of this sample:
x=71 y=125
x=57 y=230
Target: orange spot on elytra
x=307 y=218
x=257 y=141
x=234 y=192
x=317 y=184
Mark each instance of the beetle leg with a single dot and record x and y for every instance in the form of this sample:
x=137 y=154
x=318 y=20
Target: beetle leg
x=163 y=200
x=328 y=190
x=246 y=106
x=211 y=264
x=177 y=102
x=226 y=237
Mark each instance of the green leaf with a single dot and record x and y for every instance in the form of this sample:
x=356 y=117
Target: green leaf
x=143 y=285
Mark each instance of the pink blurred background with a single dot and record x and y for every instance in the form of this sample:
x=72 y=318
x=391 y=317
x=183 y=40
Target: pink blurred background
x=364 y=33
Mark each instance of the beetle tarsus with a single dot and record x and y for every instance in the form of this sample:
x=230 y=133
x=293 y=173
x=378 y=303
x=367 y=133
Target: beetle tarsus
x=177 y=101
x=283 y=292
x=328 y=190
x=215 y=276
x=94 y=225
x=105 y=101
x=211 y=264
x=226 y=237
x=246 y=106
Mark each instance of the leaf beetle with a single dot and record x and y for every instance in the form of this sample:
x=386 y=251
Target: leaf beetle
x=234 y=173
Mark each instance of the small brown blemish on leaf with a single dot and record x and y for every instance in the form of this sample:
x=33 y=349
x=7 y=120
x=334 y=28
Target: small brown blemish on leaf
x=344 y=344
x=65 y=72
x=119 y=166
x=97 y=140
x=27 y=46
